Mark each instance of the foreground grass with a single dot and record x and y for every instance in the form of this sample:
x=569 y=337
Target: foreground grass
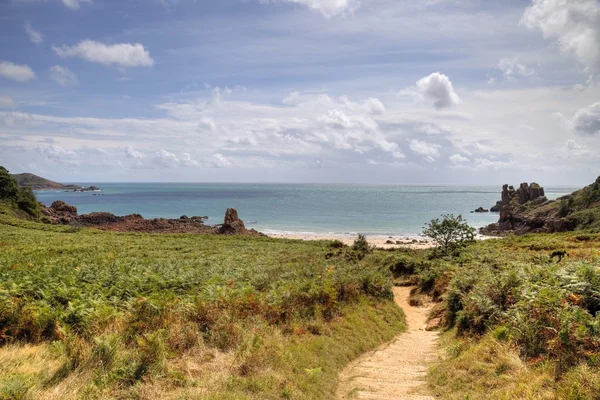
x=88 y=314
x=519 y=323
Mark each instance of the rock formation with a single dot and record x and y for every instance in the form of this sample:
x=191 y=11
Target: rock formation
x=232 y=224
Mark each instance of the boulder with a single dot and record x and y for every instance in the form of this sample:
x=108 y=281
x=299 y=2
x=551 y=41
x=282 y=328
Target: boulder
x=497 y=207
x=61 y=206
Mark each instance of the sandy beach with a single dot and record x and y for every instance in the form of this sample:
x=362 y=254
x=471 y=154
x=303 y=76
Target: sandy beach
x=377 y=241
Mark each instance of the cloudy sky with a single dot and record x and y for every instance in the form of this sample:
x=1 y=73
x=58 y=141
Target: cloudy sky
x=379 y=91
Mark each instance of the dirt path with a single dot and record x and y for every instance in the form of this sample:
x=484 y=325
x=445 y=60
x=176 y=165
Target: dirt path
x=396 y=370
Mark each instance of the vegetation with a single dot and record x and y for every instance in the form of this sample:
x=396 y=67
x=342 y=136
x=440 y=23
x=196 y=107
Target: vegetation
x=519 y=324
x=90 y=314
x=23 y=198
x=582 y=208
x=36 y=182
x=450 y=234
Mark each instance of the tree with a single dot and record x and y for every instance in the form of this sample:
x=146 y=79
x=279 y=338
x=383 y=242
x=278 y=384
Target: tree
x=9 y=189
x=451 y=233
x=362 y=247
x=23 y=198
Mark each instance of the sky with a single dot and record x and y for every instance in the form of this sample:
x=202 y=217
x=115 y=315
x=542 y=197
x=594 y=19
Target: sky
x=351 y=91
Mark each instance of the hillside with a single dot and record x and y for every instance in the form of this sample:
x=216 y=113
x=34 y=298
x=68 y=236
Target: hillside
x=527 y=210
x=37 y=182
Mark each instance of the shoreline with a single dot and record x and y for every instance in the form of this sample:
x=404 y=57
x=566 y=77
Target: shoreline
x=399 y=241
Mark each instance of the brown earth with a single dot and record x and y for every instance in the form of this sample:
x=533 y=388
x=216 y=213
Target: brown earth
x=394 y=371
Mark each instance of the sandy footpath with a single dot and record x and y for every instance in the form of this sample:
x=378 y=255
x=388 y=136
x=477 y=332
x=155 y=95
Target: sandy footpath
x=395 y=371
x=378 y=241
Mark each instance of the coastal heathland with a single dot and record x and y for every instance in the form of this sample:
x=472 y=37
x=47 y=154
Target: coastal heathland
x=87 y=313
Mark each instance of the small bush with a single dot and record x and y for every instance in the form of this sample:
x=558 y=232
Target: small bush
x=451 y=233
x=361 y=247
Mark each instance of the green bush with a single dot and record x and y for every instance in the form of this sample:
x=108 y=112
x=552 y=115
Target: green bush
x=451 y=233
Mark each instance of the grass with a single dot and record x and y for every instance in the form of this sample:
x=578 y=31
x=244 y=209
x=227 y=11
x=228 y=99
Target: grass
x=519 y=324
x=90 y=314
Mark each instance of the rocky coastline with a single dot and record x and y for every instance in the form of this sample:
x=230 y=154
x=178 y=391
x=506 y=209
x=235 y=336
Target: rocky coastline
x=61 y=213
x=526 y=210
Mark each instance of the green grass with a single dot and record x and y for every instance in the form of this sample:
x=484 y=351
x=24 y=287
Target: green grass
x=90 y=314
x=520 y=324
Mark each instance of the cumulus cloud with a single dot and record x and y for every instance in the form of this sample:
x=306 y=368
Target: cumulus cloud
x=435 y=88
x=574 y=25
x=573 y=145
x=425 y=149
x=187 y=161
x=220 y=161
x=207 y=123
x=375 y=106
x=511 y=69
x=121 y=54
x=63 y=76
x=458 y=159
x=7 y=102
x=74 y=4
x=57 y=154
x=35 y=36
x=166 y=159
x=328 y=8
x=587 y=120
x=132 y=153
x=485 y=164
x=19 y=73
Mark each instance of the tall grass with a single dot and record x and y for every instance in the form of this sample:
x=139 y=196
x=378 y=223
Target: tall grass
x=183 y=316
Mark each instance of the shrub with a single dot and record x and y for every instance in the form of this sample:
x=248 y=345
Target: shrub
x=362 y=247
x=451 y=233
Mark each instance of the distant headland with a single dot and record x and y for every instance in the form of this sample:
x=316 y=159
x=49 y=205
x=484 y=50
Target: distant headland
x=35 y=182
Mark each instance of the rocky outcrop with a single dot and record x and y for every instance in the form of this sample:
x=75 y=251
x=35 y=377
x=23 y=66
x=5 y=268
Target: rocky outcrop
x=481 y=210
x=62 y=213
x=497 y=207
x=232 y=224
x=525 y=210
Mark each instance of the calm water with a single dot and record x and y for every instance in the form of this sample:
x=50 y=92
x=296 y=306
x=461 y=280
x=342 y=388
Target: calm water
x=316 y=208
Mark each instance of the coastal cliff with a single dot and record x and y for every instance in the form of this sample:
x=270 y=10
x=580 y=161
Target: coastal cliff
x=527 y=210
x=35 y=182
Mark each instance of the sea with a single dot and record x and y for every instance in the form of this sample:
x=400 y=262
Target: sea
x=322 y=209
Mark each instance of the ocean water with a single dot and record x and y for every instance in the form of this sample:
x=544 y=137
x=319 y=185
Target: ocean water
x=295 y=208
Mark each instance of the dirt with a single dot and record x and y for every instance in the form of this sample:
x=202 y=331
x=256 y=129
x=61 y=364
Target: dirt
x=396 y=370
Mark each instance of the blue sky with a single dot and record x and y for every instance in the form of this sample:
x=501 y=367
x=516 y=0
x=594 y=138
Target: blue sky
x=379 y=91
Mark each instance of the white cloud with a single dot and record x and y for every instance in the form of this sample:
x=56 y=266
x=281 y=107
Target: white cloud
x=220 y=161
x=63 y=76
x=574 y=24
x=74 y=4
x=438 y=89
x=375 y=106
x=57 y=154
x=19 y=73
x=573 y=145
x=7 y=102
x=485 y=164
x=121 y=54
x=458 y=159
x=187 y=161
x=132 y=153
x=424 y=149
x=35 y=36
x=511 y=69
x=328 y=8
x=166 y=159
x=587 y=120
x=207 y=123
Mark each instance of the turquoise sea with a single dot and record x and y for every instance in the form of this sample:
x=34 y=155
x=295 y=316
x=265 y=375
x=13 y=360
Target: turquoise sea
x=295 y=208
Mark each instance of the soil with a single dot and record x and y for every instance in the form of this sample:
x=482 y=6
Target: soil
x=395 y=370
